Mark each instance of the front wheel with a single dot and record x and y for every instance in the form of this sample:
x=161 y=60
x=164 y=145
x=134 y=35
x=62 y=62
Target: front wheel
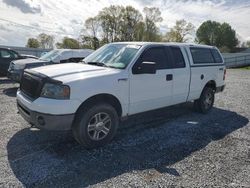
x=206 y=101
x=95 y=126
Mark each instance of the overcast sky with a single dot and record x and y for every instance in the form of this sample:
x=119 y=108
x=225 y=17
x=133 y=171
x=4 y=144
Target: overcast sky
x=21 y=19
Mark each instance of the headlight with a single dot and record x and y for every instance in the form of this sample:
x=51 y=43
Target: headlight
x=55 y=91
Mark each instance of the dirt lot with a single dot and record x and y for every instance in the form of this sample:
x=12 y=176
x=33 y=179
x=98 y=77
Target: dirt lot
x=173 y=147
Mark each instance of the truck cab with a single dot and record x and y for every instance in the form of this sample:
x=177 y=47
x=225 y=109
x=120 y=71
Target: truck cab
x=116 y=81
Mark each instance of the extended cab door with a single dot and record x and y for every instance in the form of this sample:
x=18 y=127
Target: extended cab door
x=151 y=91
x=181 y=74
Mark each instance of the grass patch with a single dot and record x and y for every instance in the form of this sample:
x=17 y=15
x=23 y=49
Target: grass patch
x=245 y=68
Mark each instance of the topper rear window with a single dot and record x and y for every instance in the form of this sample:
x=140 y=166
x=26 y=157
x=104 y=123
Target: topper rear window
x=205 y=55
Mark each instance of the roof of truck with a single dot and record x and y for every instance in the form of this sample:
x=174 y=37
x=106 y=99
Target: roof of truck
x=166 y=43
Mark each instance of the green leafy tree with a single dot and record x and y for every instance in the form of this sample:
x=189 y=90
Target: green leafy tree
x=181 y=32
x=32 y=43
x=208 y=33
x=217 y=34
x=68 y=43
x=228 y=36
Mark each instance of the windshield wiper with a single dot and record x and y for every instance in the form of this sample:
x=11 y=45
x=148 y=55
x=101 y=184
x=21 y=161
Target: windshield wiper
x=97 y=64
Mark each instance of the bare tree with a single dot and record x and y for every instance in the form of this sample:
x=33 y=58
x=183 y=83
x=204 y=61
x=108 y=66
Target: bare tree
x=181 y=32
x=92 y=25
x=152 y=16
x=45 y=40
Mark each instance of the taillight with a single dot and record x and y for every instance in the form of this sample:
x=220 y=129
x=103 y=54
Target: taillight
x=225 y=72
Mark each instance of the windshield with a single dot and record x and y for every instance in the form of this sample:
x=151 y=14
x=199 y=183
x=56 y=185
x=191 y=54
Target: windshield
x=113 y=55
x=50 y=55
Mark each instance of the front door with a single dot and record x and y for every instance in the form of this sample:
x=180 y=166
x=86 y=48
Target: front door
x=151 y=91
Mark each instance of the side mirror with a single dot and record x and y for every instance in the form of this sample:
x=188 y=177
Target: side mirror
x=145 y=68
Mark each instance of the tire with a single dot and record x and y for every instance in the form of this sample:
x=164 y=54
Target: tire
x=95 y=126
x=206 y=101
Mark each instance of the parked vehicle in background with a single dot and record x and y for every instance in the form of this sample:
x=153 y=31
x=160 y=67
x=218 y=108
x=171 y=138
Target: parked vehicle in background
x=6 y=56
x=116 y=81
x=29 y=56
x=17 y=67
x=43 y=53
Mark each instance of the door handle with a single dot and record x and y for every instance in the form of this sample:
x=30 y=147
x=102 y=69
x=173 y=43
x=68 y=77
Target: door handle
x=169 y=77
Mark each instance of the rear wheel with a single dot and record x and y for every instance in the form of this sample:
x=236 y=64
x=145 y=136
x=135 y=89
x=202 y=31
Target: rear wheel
x=206 y=101
x=95 y=126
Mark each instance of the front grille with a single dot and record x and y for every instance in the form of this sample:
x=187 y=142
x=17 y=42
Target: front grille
x=31 y=85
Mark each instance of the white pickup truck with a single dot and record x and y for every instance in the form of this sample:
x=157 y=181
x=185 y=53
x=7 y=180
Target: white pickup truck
x=116 y=81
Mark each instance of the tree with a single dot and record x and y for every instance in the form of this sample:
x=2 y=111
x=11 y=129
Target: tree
x=245 y=44
x=110 y=20
x=208 y=33
x=227 y=36
x=248 y=44
x=139 y=31
x=180 y=32
x=89 y=42
x=217 y=34
x=32 y=43
x=130 y=21
x=152 y=16
x=92 y=26
x=45 y=40
x=119 y=23
x=68 y=43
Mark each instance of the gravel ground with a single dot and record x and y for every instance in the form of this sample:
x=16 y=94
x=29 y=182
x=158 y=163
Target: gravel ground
x=172 y=147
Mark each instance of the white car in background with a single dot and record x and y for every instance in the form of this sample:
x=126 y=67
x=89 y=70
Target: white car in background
x=58 y=56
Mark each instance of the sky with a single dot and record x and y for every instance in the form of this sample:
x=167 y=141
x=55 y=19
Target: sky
x=22 y=19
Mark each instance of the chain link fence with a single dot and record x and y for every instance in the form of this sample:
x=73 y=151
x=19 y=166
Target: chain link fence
x=233 y=60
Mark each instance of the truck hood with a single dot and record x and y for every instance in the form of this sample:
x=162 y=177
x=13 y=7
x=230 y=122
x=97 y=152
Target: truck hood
x=28 y=61
x=68 y=72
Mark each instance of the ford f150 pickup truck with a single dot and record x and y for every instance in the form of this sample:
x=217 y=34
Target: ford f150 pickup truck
x=116 y=81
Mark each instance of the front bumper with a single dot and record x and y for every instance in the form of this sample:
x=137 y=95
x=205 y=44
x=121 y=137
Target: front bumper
x=46 y=121
x=15 y=75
